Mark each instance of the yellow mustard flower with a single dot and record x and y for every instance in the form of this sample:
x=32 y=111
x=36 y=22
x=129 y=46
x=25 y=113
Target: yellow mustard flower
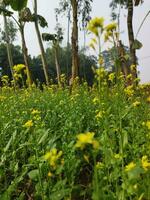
x=130 y=166
x=129 y=91
x=148 y=99
x=111 y=77
x=100 y=114
x=145 y=163
x=35 y=112
x=86 y=138
x=95 y=100
x=94 y=24
x=129 y=76
x=133 y=67
x=136 y=103
x=28 y=124
x=50 y=174
x=18 y=68
x=117 y=156
x=2 y=98
x=52 y=157
x=148 y=124
x=111 y=27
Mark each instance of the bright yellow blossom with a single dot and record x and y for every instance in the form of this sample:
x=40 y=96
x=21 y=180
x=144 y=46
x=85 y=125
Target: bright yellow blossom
x=52 y=157
x=35 y=112
x=130 y=166
x=111 y=77
x=145 y=163
x=129 y=91
x=148 y=99
x=28 y=124
x=111 y=27
x=136 y=103
x=94 y=24
x=86 y=138
x=148 y=124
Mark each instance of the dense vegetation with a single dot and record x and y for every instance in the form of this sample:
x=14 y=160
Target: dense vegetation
x=88 y=143
x=72 y=126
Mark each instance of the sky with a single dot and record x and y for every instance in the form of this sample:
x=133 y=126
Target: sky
x=100 y=8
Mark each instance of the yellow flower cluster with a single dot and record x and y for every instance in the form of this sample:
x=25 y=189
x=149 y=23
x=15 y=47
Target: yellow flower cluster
x=145 y=163
x=18 y=68
x=2 y=98
x=129 y=91
x=85 y=139
x=99 y=114
x=52 y=157
x=111 y=27
x=136 y=103
x=35 y=112
x=28 y=124
x=148 y=99
x=148 y=124
x=111 y=77
x=100 y=72
x=95 y=100
x=130 y=166
x=94 y=24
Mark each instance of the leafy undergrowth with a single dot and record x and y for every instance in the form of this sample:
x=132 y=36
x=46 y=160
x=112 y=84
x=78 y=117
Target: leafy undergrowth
x=88 y=143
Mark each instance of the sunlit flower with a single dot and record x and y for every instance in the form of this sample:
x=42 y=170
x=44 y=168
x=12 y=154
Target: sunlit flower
x=145 y=163
x=52 y=157
x=86 y=138
x=129 y=91
x=94 y=24
x=95 y=100
x=50 y=174
x=136 y=103
x=18 y=68
x=148 y=124
x=28 y=124
x=111 y=77
x=148 y=99
x=130 y=166
x=35 y=112
x=2 y=98
x=133 y=67
x=111 y=27
x=117 y=156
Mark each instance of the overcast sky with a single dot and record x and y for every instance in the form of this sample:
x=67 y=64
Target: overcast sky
x=100 y=9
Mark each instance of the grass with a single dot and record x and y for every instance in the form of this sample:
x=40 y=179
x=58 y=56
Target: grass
x=47 y=142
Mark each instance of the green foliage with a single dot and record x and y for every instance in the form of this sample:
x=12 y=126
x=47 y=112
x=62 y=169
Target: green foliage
x=52 y=120
x=18 y=5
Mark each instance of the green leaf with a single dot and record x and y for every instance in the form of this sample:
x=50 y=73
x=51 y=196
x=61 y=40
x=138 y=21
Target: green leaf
x=18 y=5
x=137 y=44
x=125 y=138
x=33 y=175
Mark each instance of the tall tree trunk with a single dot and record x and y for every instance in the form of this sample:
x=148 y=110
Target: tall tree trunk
x=74 y=39
x=8 y=46
x=131 y=36
x=57 y=64
x=25 y=55
x=44 y=62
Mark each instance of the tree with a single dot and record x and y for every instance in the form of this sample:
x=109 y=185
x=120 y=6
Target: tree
x=16 y=55
x=6 y=37
x=56 y=40
x=129 y=4
x=45 y=66
x=78 y=7
x=18 y=6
